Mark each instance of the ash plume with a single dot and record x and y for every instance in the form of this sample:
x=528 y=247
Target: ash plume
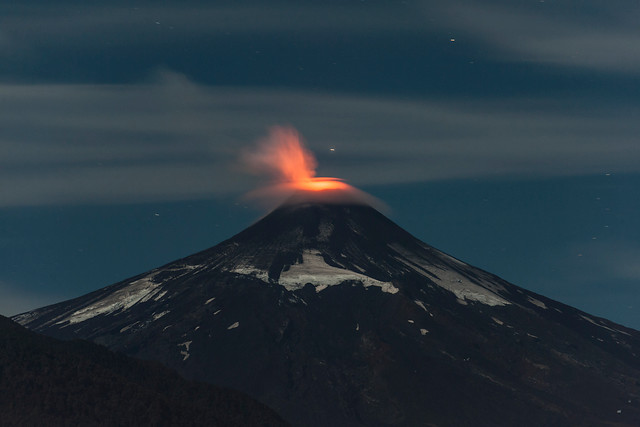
x=289 y=168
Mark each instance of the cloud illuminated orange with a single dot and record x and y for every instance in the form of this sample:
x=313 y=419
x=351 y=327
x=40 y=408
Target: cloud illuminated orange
x=291 y=167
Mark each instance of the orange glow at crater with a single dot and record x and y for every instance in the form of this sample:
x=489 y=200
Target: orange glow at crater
x=321 y=184
x=291 y=167
x=283 y=156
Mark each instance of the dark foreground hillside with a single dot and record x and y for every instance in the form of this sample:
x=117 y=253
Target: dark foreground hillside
x=46 y=382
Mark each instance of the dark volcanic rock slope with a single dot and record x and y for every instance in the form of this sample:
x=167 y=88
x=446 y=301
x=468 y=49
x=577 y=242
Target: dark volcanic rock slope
x=45 y=382
x=333 y=315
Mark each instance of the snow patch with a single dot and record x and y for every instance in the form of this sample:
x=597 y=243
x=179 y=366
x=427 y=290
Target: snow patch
x=140 y=290
x=249 y=270
x=159 y=315
x=455 y=260
x=321 y=288
x=590 y=320
x=296 y=299
x=360 y=269
x=126 y=328
x=448 y=279
x=314 y=270
x=185 y=353
x=233 y=326
x=159 y=296
x=463 y=289
x=25 y=318
x=537 y=302
x=421 y=305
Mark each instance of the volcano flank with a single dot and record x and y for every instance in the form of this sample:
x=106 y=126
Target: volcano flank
x=333 y=315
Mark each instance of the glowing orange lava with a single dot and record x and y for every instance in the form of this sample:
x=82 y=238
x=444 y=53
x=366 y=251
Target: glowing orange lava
x=322 y=184
x=291 y=166
x=283 y=156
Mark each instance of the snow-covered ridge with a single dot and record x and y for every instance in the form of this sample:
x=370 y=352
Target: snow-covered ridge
x=140 y=290
x=314 y=270
x=590 y=320
x=450 y=280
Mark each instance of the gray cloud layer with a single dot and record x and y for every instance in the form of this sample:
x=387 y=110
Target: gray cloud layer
x=173 y=139
x=591 y=35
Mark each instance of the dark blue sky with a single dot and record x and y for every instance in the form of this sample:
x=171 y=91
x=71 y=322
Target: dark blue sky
x=504 y=133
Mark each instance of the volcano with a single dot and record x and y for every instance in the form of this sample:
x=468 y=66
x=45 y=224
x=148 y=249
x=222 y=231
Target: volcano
x=333 y=315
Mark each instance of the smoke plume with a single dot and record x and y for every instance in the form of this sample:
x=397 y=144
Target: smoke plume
x=290 y=169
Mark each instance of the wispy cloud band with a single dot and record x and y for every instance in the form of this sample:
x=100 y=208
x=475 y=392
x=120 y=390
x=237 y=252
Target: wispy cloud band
x=590 y=35
x=174 y=139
